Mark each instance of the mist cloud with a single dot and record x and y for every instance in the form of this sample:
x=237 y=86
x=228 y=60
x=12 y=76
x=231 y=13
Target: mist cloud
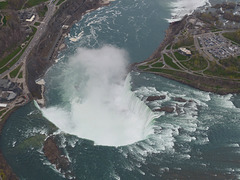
x=101 y=105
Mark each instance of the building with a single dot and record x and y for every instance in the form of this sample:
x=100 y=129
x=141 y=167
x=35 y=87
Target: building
x=3 y=105
x=26 y=15
x=185 y=51
x=8 y=90
x=5 y=84
x=7 y=95
x=65 y=27
x=31 y=19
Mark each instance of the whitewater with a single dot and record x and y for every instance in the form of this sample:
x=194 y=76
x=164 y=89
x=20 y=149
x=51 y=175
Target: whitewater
x=99 y=115
x=102 y=107
x=180 y=8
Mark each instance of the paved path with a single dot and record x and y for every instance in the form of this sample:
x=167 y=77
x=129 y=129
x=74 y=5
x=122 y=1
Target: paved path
x=40 y=30
x=22 y=60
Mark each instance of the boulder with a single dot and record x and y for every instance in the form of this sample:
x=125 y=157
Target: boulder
x=179 y=99
x=165 y=109
x=155 y=98
x=55 y=156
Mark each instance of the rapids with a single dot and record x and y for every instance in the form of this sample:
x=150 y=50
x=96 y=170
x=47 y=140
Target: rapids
x=90 y=97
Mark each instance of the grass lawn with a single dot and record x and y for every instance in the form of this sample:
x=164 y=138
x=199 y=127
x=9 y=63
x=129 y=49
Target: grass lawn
x=34 y=30
x=169 y=47
x=31 y=3
x=20 y=76
x=155 y=70
x=3 y=5
x=142 y=67
x=14 y=73
x=5 y=60
x=189 y=41
x=37 y=23
x=180 y=57
x=9 y=57
x=4 y=20
x=158 y=64
x=12 y=62
x=196 y=63
x=169 y=62
x=60 y=2
x=1 y=112
x=216 y=70
x=233 y=36
x=232 y=63
x=42 y=11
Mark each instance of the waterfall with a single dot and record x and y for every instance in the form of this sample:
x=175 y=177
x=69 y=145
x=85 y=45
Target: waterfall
x=107 y=111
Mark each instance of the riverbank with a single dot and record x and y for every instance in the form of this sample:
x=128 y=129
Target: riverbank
x=6 y=171
x=210 y=65
x=44 y=54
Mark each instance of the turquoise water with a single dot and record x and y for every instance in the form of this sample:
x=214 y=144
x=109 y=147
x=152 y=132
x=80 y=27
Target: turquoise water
x=199 y=140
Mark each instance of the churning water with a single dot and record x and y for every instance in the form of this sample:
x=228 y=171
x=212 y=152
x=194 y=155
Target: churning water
x=102 y=106
x=104 y=124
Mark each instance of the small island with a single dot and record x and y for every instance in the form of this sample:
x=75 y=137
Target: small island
x=202 y=50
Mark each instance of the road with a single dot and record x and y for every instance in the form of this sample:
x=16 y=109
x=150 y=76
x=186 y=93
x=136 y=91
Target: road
x=40 y=30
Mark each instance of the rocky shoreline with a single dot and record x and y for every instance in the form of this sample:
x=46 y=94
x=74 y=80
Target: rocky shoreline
x=6 y=171
x=56 y=157
x=43 y=55
x=40 y=59
x=204 y=83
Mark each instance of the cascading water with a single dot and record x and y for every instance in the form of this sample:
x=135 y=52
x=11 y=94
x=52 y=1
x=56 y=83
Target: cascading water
x=200 y=139
x=101 y=105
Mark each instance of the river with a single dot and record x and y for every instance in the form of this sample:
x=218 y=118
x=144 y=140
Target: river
x=100 y=115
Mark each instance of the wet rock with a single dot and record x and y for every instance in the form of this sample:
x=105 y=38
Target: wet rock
x=5 y=170
x=165 y=109
x=179 y=99
x=155 y=98
x=43 y=54
x=55 y=156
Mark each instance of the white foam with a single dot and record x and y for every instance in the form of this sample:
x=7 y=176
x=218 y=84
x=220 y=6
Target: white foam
x=180 y=8
x=233 y=145
x=76 y=37
x=224 y=101
x=102 y=107
x=185 y=156
x=14 y=143
x=187 y=138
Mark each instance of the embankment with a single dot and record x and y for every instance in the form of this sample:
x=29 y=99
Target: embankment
x=42 y=56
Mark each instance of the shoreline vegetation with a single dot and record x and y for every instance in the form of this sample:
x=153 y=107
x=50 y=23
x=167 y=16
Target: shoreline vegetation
x=214 y=62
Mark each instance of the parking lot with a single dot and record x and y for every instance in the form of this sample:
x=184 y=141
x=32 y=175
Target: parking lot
x=218 y=46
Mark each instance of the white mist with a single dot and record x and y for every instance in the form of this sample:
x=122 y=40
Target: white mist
x=101 y=105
